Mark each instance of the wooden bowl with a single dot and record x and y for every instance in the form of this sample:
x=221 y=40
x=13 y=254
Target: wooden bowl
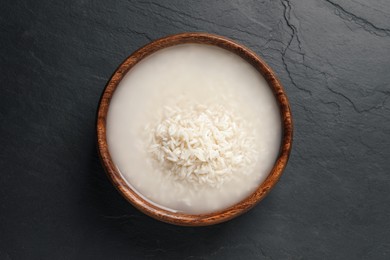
x=181 y=218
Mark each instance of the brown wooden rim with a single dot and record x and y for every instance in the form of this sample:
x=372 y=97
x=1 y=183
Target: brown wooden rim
x=181 y=218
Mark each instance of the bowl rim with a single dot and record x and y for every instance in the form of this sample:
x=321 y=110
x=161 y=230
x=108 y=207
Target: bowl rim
x=181 y=218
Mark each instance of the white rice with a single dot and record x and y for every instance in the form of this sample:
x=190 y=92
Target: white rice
x=200 y=144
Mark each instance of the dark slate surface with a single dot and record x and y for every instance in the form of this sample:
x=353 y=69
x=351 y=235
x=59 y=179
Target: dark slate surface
x=333 y=58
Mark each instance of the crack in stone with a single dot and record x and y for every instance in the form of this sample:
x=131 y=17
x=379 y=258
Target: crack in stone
x=362 y=22
x=287 y=15
x=145 y=35
x=369 y=147
x=332 y=103
x=386 y=92
x=343 y=96
x=265 y=45
x=353 y=104
x=292 y=26
x=370 y=6
x=176 y=11
x=357 y=110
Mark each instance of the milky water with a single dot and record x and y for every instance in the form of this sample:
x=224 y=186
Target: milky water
x=202 y=74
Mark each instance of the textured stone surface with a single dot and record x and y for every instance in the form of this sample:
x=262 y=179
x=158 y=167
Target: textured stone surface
x=333 y=201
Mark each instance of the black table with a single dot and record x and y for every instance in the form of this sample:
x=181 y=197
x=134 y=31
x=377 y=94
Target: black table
x=333 y=201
